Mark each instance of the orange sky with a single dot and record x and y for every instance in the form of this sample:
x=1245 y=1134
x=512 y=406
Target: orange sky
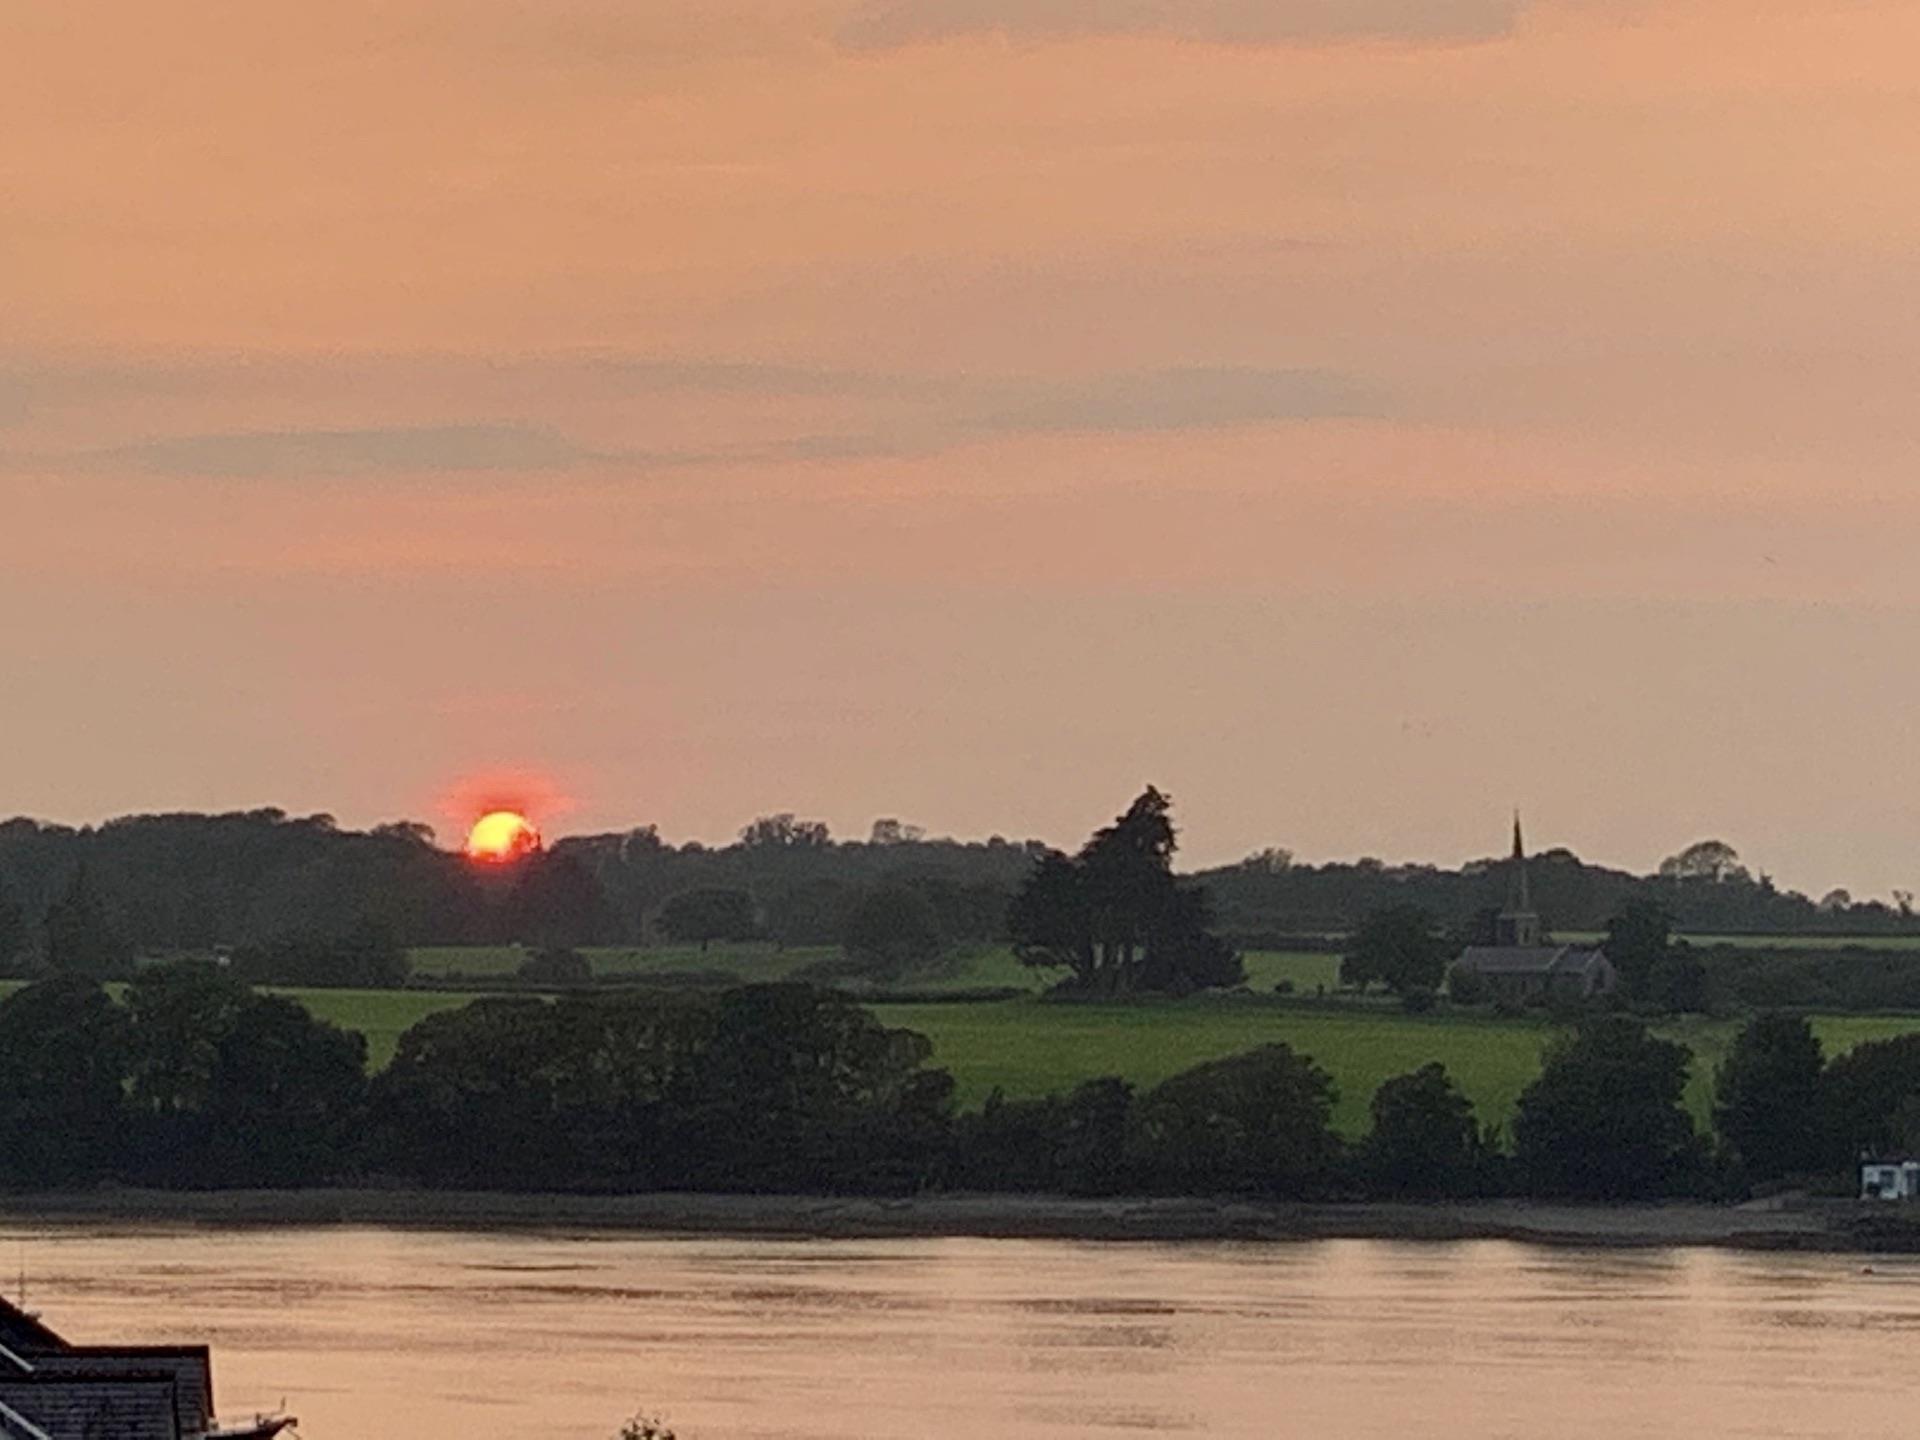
x=1355 y=416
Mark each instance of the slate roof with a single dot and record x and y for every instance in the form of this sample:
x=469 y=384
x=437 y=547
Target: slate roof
x=1548 y=960
x=95 y=1406
x=190 y=1366
x=15 y=1426
x=23 y=1334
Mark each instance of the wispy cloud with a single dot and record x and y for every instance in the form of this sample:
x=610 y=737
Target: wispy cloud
x=888 y=414
x=294 y=454
x=1197 y=398
x=882 y=24
x=1193 y=398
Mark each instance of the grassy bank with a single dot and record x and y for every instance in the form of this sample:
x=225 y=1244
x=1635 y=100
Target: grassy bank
x=1818 y=1226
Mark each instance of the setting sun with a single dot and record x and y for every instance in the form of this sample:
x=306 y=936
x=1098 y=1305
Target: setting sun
x=502 y=835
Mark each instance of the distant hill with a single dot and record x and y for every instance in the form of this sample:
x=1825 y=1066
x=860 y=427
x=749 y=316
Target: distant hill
x=1258 y=898
x=183 y=882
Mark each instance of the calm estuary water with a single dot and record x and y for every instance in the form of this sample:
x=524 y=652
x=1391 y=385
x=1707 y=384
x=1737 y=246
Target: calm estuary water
x=374 y=1333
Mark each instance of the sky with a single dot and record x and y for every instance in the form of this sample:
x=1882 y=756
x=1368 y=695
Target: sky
x=1356 y=417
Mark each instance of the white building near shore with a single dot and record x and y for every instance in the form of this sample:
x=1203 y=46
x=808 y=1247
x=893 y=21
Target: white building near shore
x=1890 y=1180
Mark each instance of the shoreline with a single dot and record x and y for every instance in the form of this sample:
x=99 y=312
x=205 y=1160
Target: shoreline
x=1801 y=1225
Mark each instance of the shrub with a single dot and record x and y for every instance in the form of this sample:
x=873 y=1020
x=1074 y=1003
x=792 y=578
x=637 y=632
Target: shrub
x=1424 y=1140
x=1768 y=1098
x=558 y=965
x=1257 y=1123
x=365 y=958
x=893 y=930
x=1605 y=1119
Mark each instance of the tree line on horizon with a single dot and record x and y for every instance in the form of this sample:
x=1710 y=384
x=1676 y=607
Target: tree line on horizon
x=191 y=1079
x=167 y=884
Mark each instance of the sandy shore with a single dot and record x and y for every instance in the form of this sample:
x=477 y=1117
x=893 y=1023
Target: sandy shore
x=1798 y=1226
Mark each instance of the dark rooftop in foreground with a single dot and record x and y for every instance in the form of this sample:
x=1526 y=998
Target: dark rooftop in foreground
x=51 y=1389
x=89 y=1406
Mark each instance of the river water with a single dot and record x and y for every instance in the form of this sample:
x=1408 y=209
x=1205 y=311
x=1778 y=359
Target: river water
x=374 y=1333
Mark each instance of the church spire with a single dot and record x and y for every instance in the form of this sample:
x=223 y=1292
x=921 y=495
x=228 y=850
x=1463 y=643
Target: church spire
x=1519 y=894
x=1518 y=924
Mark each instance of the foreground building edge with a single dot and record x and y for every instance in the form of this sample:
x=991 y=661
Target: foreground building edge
x=52 y=1389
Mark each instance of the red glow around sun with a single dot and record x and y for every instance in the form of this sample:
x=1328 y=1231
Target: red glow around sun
x=491 y=810
x=500 y=836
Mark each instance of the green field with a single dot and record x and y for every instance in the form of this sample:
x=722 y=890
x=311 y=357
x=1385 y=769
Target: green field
x=1029 y=1047
x=383 y=1016
x=1033 y=1049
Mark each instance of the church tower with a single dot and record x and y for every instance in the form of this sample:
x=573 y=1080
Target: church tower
x=1518 y=924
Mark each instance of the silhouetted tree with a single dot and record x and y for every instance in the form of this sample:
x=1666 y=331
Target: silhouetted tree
x=1713 y=861
x=13 y=938
x=83 y=937
x=63 y=1052
x=1115 y=916
x=893 y=930
x=365 y=958
x=1424 y=1140
x=1052 y=923
x=1079 y=1143
x=813 y=912
x=556 y=966
x=1637 y=942
x=233 y=1088
x=1400 y=947
x=1257 y=1123
x=557 y=902
x=1605 y=1118
x=1768 y=1102
x=471 y=1098
x=1679 y=984
x=1873 y=1098
x=704 y=916
x=783 y=832
x=1008 y=1146
x=1273 y=860
x=804 y=1089
x=1090 y=1155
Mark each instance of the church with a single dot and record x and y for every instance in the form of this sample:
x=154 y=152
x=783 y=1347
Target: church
x=1523 y=966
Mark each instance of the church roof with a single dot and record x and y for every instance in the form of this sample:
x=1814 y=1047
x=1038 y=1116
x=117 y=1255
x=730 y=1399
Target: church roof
x=1530 y=959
